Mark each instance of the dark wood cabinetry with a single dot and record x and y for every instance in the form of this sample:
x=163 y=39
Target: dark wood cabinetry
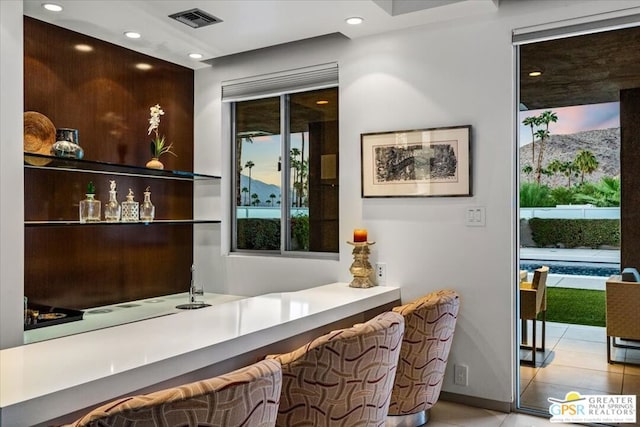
x=100 y=91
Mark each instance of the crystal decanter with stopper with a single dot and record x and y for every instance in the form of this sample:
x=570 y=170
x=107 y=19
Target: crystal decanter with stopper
x=89 y=207
x=130 y=212
x=112 y=207
x=147 y=210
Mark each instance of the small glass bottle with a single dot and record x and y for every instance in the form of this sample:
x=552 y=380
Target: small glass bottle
x=89 y=207
x=112 y=207
x=130 y=209
x=147 y=210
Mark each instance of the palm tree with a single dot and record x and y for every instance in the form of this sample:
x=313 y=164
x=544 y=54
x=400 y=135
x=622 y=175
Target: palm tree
x=532 y=121
x=249 y=165
x=527 y=169
x=255 y=201
x=606 y=193
x=586 y=162
x=245 y=191
x=553 y=167
x=543 y=119
x=273 y=198
x=239 y=142
x=569 y=169
x=295 y=164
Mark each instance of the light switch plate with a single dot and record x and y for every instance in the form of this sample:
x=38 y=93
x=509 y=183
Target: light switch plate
x=475 y=216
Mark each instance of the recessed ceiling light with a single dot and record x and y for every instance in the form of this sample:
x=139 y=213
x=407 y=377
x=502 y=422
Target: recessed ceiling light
x=195 y=55
x=354 y=20
x=132 y=35
x=52 y=7
x=143 y=66
x=322 y=102
x=83 y=47
x=535 y=73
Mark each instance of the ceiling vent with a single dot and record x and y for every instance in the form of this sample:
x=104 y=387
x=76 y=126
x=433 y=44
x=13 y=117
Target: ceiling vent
x=195 y=18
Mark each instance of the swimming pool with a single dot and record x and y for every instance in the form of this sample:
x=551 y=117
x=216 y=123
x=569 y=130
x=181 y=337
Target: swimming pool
x=573 y=268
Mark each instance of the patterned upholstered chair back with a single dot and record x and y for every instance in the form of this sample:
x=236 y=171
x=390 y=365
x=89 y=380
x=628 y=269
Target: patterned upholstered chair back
x=343 y=378
x=429 y=325
x=246 y=397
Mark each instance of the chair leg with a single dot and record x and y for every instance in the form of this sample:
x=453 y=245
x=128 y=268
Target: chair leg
x=609 y=349
x=534 y=350
x=544 y=329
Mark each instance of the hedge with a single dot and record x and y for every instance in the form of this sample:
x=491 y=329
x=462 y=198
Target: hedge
x=572 y=233
x=264 y=234
x=259 y=234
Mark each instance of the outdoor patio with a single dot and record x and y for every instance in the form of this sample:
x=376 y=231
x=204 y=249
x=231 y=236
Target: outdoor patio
x=576 y=355
x=576 y=360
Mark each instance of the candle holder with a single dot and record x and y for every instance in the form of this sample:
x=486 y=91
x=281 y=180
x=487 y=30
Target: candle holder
x=361 y=269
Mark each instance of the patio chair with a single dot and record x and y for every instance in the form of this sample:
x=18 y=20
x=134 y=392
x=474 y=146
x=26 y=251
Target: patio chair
x=533 y=301
x=623 y=317
x=246 y=397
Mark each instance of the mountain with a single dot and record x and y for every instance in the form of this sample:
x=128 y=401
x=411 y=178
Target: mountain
x=262 y=189
x=603 y=143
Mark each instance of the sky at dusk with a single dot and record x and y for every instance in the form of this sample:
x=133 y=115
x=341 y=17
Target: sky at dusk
x=575 y=119
x=264 y=152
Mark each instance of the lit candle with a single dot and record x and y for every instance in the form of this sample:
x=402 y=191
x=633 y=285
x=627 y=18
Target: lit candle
x=359 y=235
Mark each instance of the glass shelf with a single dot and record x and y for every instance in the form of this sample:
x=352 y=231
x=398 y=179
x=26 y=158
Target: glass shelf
x=106 y=168
x=62 y=223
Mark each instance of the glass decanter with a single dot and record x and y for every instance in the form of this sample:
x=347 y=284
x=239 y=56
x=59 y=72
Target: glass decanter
x=89 y=207
x=112 y=207
x=147 y=210
x=130 y=212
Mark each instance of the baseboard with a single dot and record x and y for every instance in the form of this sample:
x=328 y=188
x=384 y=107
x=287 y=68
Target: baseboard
x=477 y=402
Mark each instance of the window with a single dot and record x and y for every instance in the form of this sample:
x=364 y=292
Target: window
x=287 y=141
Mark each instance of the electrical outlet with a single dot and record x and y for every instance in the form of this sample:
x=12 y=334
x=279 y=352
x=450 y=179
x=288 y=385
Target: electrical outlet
x=460 y=376
x=381 y=273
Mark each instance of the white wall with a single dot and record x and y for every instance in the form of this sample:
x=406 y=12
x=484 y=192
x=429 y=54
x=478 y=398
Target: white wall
x=11 y=175
x=446 y=74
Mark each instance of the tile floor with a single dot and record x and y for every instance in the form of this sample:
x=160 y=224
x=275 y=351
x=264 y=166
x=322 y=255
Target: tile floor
x=576 y=360
x=448 y=414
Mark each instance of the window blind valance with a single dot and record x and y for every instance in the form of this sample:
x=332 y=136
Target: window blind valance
x=577 y=26
x=274 y=84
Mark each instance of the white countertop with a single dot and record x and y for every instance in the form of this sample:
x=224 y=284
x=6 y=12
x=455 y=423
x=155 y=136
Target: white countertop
x=118 y=314
x=44 y=380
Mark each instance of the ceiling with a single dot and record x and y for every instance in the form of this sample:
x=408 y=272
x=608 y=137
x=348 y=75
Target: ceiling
x=576 y=70
x=246 y=24
x=587 y=69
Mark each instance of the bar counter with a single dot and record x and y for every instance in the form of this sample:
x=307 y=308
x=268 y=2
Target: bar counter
x=47 y=380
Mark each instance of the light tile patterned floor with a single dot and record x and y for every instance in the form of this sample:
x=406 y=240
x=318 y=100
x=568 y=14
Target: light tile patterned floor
x=448 y=414
x=576 y=360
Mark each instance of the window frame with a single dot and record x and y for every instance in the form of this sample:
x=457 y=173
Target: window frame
x=285 y=182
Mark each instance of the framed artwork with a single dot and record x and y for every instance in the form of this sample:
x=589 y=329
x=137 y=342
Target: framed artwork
x=417 y=163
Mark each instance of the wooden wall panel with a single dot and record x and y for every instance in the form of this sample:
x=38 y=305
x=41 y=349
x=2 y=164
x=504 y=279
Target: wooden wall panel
x=323 y=193
x=94 y=265
x=103 y=95
x=630 y=178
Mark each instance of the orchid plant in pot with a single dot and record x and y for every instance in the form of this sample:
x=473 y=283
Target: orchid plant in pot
x=158 y=143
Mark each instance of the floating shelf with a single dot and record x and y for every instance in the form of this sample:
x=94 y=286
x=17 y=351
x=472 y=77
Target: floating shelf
x=105 y=168
x=74 y=223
